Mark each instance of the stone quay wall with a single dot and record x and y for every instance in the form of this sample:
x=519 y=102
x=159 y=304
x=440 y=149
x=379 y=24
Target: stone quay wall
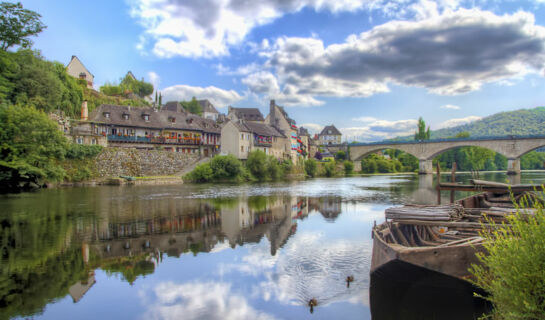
x=114 y=162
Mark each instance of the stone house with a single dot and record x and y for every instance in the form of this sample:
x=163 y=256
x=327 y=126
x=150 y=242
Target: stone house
x=208 y=110
x=240 y=137
x=279 y=119
x=329 y=135
x=76 y=69
x=148 y=128
x=245 y=114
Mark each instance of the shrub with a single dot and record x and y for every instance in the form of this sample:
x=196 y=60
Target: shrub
x=318 y=155
x=273 y=168
x=257 y=164
x=226 y=167
x=81 y=151
x=329 y=169
x=513 y=270
x=202 y=173
x=340 y=155
x=348 y=167
x=286 y=167
x=369 y=166
x=310 y=167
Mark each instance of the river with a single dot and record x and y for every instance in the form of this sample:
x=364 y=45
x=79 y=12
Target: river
x=253 y=251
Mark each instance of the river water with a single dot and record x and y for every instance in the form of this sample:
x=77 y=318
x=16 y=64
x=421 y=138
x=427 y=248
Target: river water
x=254 y=251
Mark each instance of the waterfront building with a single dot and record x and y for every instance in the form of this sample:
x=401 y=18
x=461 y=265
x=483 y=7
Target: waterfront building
x=170 y=129
x=279 y=119
x=240 y=137
x=329 y=135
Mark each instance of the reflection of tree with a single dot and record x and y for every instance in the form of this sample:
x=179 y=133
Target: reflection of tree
x=129 y=267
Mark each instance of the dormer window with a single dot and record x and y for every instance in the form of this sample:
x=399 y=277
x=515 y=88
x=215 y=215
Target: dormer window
x=145 y=117
x=106 y=115
x=125 y=116
x=82 y=75
x=189 y=121
x=328 y=131
x=172 y=119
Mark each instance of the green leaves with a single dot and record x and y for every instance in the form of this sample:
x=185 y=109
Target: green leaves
x=17 y=25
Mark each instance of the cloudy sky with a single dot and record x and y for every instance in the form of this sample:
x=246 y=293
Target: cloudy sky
x=371 y=67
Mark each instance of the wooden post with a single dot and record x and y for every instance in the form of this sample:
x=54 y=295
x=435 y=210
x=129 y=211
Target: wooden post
x=453 y=180
x=438 y=183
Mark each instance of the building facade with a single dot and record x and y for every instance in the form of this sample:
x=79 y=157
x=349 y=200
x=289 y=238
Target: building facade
x=76 y=69
x=330 y=135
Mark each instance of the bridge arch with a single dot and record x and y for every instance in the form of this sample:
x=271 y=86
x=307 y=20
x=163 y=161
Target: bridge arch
x=361 y=154
x=449 y=148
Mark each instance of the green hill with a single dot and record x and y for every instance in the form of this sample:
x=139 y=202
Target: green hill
x=521 y=122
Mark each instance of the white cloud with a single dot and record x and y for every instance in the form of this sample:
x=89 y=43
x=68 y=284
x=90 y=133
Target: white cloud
x=312 y=127
x=376 y=129
x=218 y=97
x=208 y=28
x=457 y=122
x=454 y=52
x=450 y=106
x=198 y=300
x=154 y=79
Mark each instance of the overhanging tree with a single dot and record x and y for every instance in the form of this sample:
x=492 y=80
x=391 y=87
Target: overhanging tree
x=17 y=25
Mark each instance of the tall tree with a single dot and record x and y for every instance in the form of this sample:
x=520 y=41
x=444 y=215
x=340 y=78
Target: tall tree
x=192 y=106
x=17 y=25
x=423 y=133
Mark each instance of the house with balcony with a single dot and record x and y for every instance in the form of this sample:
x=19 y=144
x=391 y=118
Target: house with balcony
x=239 y=138
x=148 y=128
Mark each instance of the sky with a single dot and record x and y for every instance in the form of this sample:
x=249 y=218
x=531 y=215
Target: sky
x=370 y=67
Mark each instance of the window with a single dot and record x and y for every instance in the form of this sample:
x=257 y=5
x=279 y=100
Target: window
x=93 y=141
x=146 y=117
x=125 y=116
x=106 y=115
x=79 y=140
x=328 y=131
x=172 y=119
x=241 y=148
x=242 y=136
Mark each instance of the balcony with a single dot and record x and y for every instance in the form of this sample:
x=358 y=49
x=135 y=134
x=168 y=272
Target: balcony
x=155 y=140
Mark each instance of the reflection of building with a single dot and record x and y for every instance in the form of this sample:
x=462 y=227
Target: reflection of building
x=329 y=207
x=78 y=289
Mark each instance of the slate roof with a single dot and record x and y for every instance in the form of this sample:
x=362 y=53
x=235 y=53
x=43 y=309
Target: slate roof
x=247 y=114
x=290 y=120
x=303 y=132
x=173 y=106
x=157 y=119
x=257 y=128
x=334 y=131
x=207 y=106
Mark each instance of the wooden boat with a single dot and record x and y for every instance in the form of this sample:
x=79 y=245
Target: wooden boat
x=443 y=238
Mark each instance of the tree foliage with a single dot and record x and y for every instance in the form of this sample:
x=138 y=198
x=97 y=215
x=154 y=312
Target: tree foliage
x=17 y=25
x=422 y=133
x=127 y=86
x=192 y=106
x=30 y=146
x=310 y=167
x=513 y=266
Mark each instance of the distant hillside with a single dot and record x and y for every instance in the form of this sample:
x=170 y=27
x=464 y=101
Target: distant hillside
x=519 y=123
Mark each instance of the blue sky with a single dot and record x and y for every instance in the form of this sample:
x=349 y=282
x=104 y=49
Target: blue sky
x=370 y=67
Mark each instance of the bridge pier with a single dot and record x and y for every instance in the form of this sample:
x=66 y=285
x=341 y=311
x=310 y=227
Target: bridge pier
x=425 y=166
x=513 y=166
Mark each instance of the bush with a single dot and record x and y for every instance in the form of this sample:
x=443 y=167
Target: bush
x=329 y=169
x=340 y=155
x=286 y=167
x=310 y=167
x=369 y=166
x=513 y=270
x=202 y=173
x=257 y=164
x=273 y=168
x=348 y=167
x=81 y=151
x=226 y=167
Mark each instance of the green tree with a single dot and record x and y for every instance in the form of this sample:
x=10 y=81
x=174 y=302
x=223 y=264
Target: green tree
x=30 y=146
x=192 y=106
x=256 y=163
x=17 y=25
x=226 y=167
x=273 y=168
x=340 y=155
x=329 y=169
x=422 y=133
x=310 y=167
x=348 y=167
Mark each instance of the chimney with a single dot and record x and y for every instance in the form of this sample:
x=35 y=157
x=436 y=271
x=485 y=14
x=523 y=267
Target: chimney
x=272 y=113
x=129 y=106
x=84 y=111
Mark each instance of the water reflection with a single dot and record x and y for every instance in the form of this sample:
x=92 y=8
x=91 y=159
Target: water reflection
x=252 y=251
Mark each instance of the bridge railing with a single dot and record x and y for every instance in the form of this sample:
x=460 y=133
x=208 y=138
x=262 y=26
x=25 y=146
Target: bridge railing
x=481 y=138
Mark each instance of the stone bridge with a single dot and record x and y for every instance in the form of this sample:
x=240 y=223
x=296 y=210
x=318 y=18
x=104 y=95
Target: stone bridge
x=511 y=147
